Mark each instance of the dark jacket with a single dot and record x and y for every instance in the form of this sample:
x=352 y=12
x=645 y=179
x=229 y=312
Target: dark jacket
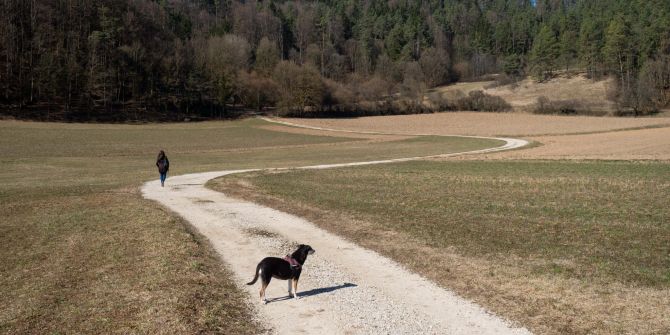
x=162 y=163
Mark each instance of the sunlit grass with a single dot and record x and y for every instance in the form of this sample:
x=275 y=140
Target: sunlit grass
x=576 y=219
x=83 y=252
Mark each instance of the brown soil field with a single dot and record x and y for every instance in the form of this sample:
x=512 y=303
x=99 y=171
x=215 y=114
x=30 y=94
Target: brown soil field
x=486 y=124
x=560 y=137
x=316 y=132
x=641 y=144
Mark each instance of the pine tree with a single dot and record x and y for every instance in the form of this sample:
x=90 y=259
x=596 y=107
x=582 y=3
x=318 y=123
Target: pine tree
x=568 y=39
x=589 y=46
x=617 y=50
x=568 y=48
x=544 y=53
x=394 y=42
x=512 y=66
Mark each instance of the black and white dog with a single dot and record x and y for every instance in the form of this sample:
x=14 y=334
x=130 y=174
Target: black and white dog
x=287 y=268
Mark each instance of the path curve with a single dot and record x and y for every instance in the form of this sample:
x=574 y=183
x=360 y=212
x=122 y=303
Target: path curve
x=345 y=289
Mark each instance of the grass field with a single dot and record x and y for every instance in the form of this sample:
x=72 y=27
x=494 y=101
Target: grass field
x=565 y=247
x=83 y=252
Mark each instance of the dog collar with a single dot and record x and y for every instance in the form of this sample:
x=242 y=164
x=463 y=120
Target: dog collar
x=291 y=261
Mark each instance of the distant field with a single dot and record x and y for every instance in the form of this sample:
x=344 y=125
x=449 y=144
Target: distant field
x=573 y=247
x=637 y=144
x=486 y=124
x=83 y=252
x=110 y=140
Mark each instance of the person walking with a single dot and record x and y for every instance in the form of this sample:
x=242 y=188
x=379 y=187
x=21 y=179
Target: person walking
x=163 y=165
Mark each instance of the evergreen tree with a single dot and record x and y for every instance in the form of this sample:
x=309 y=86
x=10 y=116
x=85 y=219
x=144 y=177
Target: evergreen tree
x=513 y=66
x=544 y=54
x=590 y=41
x=568 y=47
x=568 y=40
x=394 y=42
x=617 y=51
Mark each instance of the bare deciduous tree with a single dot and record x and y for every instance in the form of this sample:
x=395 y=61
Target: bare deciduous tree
x=299 y=87
x=304 y=29
x=435 y=66
x=267 y=56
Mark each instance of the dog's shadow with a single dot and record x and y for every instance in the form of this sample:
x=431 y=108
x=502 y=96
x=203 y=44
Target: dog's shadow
x=314 y=292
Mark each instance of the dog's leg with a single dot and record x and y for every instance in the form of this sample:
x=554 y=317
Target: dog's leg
x=289 y=287
x=264 y=285
x=295 y=288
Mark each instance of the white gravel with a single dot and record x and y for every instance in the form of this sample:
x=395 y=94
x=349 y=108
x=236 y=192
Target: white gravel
x=344 y=288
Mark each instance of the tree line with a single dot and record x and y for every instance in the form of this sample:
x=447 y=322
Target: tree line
x=135 y=59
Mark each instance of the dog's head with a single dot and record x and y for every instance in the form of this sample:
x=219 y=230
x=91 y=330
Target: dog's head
x=306 y=249
x=303 y=250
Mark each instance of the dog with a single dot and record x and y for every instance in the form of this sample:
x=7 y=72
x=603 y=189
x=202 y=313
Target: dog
x=285 y=268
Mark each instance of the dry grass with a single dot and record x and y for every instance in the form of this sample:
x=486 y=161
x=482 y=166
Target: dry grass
x=83 y=252
x=576 y=247
x=108 y=261
x=592 y=95
x=457 y=90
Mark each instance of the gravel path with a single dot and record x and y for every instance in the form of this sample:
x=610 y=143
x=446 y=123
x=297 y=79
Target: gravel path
x=344 y=289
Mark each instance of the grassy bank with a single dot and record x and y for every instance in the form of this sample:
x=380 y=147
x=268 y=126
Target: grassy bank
x=572 y=247
x=83 y=252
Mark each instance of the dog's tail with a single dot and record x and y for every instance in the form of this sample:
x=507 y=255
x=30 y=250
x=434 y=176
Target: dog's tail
x=258 y=268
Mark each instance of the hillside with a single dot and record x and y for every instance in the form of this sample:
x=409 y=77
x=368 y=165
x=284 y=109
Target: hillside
x=592 y=95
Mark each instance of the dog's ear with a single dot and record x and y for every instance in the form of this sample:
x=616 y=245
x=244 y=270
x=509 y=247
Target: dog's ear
x=301 y=246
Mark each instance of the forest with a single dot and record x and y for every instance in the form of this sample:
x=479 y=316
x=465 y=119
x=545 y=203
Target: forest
x=119 y=60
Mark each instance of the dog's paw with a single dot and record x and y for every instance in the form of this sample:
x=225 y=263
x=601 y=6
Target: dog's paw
x=295 y=296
